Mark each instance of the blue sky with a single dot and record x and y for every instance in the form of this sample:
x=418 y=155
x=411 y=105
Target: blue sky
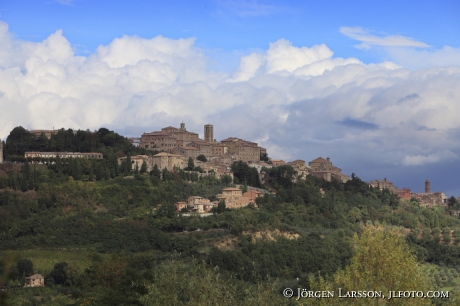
x=235 y=27
x=372 y=84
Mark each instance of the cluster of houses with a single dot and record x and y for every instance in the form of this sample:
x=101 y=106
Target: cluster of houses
x=177 y=145
x=231 y=197
x=425 y=199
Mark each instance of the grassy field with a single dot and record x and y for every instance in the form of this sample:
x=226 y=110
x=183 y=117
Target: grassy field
x=44 y=260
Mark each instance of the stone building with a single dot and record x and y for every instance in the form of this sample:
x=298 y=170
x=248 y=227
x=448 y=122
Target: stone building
x=180 y=205
x=204 y=147
x=179 y=141
x=169 y=161
x=36 y=280
x=300 y=167
x=186 y=151
x=139 y=160
x=168 y=138
x=88 y=155
x=233 y=198
x=404 y=193
x=219 y=149
x=199 y=204
x=159 y=141
x=252 y=195
x=383 y=184
x=241 y=149
x=324 y=169
x=277 y=162
x=1 y=152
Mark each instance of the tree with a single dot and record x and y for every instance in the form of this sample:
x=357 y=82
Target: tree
x=128 y=165
x=264 y=157
x=226 y=180
x=166 y=175
x=58 y=273
x=91 y=172
x=144 y=167
x=451 y=201
x=202 y=158
x=221 y=206
x=191 y=164
x=376 y=267
x=155 y=174
x=25 y=268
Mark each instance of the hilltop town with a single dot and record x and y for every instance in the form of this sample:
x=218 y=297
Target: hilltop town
x=177 y=148
x=170 y=197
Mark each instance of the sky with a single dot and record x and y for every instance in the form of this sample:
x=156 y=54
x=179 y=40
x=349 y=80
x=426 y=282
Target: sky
x=374 y=85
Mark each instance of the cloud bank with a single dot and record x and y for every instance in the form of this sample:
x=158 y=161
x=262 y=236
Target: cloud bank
x=298 y=102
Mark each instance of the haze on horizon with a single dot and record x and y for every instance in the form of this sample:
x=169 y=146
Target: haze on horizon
x=375 y=87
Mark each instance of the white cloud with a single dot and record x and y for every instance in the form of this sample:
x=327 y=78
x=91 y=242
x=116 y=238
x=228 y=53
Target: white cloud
x=418 y=160
x=367 y=40
x=283 y=57
x=298 y=102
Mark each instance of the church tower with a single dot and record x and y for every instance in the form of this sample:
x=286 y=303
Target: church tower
x=209 y=133
x=182 y=127
x=427 y=186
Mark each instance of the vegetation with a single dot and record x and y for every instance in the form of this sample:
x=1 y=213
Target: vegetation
x=106 y=234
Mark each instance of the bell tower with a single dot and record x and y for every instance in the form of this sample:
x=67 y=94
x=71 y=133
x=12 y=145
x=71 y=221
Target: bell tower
x=209 y=133
x=427 y=186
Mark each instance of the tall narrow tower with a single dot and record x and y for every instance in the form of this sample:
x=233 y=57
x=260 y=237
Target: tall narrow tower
x=427 y=186
x=182 y=126
x=209 y=133
x=1 y=152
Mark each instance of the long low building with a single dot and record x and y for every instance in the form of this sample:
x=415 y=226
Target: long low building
x=88 y=155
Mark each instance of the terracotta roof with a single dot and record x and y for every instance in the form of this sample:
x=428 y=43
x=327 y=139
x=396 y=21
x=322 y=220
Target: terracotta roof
x=167 y=154
x=319 y=159
x=35 y=276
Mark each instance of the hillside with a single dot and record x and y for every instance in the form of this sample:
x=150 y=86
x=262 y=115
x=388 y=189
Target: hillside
x=116 y=236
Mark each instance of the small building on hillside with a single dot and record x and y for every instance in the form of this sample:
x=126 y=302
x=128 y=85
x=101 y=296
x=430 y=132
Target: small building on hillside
x=36 y=280
x=86 y=155
x=324 y=169
x=233 y=198
x=383 y=184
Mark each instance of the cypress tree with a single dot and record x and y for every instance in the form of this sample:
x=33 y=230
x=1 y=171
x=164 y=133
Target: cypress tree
x=91 y=172
x=144 y=167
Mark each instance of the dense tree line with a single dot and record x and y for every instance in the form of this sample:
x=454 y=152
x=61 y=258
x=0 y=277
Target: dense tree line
x=103 y=140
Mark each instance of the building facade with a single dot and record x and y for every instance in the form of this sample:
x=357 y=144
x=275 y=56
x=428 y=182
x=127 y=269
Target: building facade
x=233 y=198
x=36 y=280
x=89 y=155
x=324 y=169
